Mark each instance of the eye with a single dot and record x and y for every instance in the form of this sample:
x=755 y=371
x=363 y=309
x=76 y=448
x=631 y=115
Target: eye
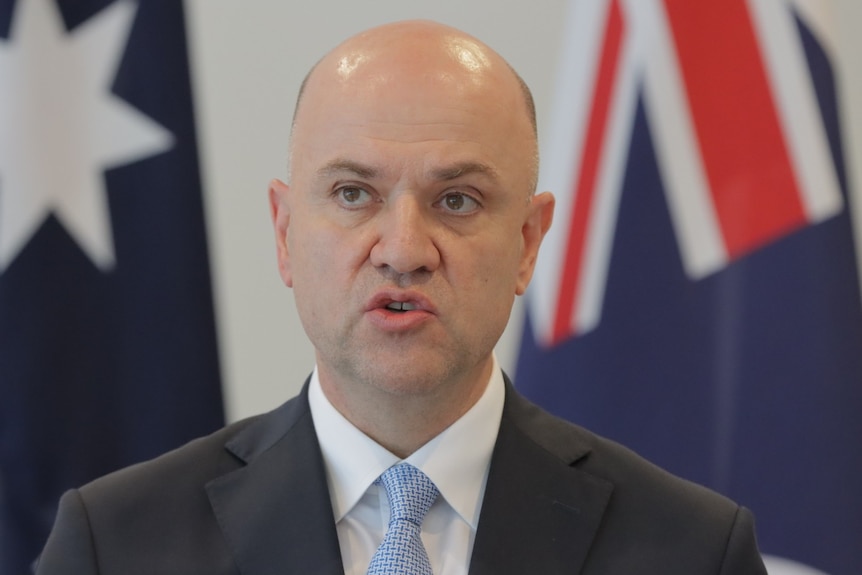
x=459 y=203
x=352 y=196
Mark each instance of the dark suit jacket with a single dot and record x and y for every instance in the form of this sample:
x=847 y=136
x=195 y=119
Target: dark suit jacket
x=252 y=499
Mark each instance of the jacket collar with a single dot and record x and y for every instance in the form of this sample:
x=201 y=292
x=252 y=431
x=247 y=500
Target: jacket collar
x=540 y=513
x=275 y=511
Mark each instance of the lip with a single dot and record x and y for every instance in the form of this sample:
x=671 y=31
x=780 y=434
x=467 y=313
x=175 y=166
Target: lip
x=393 y=321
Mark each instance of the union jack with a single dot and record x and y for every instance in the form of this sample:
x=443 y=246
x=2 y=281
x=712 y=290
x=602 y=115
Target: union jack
x=736 y=125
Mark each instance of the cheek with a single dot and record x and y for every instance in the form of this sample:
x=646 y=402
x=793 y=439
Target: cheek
x=316 y=285
x=494 y=271
x=306 y=262
x=490 y=290
x=324 y=259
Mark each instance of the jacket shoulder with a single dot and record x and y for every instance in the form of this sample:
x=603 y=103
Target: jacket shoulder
x=609 y=460
x=192 y=465
x=652 y=517
x=189 y=465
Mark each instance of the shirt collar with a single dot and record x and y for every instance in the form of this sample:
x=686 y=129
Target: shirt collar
x=456 y=460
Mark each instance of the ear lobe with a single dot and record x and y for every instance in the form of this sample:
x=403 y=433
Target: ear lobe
x=535 y=227
x=280 y=215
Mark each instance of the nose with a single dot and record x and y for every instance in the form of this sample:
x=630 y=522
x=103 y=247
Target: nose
x=405 y=242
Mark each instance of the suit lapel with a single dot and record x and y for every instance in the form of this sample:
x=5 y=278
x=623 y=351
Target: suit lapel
x=275 y=511
x=540 y=513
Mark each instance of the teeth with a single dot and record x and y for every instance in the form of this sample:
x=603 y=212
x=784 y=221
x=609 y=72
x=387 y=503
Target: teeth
x=401 y=306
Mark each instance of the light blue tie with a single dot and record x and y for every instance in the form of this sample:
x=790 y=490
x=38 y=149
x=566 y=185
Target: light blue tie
x=411 y=494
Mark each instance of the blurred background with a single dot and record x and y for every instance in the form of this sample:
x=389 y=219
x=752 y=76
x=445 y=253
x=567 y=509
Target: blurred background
x=140 y=303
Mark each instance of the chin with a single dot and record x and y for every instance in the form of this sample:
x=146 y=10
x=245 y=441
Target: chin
x=407 y=369
x=406 y=383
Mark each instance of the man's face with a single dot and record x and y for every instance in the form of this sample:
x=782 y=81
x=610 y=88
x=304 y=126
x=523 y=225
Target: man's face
x=408 y=226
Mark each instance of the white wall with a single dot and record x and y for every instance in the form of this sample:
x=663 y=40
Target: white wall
x=248 y=59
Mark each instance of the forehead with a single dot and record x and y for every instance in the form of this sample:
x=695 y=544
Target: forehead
x=456 y=103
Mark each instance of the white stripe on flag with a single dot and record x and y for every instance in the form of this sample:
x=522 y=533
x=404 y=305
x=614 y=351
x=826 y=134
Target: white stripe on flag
x=819 y=18
x=677 y=149
x=584 y=32
x=612 y=167
x=798 y=108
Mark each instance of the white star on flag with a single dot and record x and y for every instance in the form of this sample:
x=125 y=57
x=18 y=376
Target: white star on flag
x=61 y=126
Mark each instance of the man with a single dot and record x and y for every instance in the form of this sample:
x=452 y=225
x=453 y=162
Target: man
x=409 y=225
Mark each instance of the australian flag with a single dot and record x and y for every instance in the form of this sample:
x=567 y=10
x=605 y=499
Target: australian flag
x=698 y=298
x=107 y=334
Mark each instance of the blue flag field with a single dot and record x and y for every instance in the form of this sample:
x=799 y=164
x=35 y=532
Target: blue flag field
x=699 y=297
x=108 y=350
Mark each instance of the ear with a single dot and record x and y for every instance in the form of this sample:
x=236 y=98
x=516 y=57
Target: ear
x=280 y=214
x=537 y=224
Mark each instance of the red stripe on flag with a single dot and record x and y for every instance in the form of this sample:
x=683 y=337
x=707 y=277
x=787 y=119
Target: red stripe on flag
x=597 y=129
x=752 y=182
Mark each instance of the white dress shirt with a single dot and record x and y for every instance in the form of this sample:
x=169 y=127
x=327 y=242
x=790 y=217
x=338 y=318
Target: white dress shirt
x=457 y=461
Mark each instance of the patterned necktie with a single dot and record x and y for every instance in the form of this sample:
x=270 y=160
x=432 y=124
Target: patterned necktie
x=411 y=494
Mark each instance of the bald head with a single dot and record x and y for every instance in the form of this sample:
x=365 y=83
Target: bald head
x=385 y=59
x=413 y=181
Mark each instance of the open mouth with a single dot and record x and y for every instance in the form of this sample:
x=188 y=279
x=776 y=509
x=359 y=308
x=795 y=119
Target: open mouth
x=400 y=306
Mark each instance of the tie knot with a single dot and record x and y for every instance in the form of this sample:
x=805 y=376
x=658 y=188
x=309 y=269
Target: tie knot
x=411 y=493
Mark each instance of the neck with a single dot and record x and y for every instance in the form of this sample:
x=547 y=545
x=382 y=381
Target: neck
x=403 y=421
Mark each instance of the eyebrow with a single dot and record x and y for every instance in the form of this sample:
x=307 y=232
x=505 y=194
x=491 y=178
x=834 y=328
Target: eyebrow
x=463 y=169
x=340 y=166
x=446 y=173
